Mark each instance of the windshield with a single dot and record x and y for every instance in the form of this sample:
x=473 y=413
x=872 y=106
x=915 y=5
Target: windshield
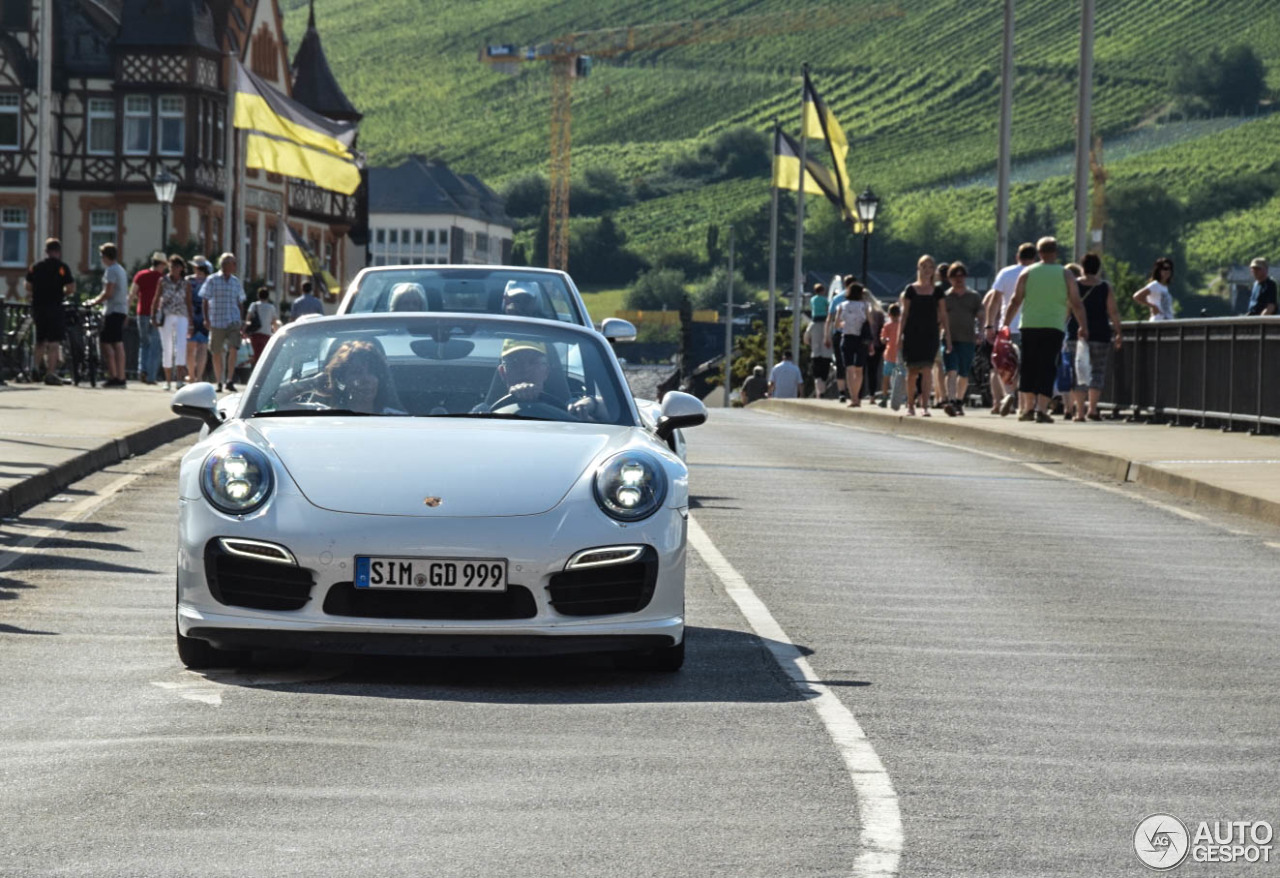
x=406 y=366
x=491 y=290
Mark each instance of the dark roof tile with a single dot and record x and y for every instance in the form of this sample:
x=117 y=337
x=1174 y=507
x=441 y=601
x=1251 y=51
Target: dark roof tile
x=429 y=187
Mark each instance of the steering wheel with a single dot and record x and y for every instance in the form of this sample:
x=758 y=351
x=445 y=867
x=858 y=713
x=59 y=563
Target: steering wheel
x=544 y=403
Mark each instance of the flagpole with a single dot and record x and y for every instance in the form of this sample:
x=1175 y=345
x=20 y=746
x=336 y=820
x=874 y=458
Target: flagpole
x=246 y=270
x=282 y=241
x=1006 y=134
x=798 y=276
x=44 y=136
x=773 y=262
x=228 y=162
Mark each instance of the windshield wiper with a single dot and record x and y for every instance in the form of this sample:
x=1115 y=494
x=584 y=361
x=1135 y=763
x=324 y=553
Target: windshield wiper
x=502 y=416
x=308 y=413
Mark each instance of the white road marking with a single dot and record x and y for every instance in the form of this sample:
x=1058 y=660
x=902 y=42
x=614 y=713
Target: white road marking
x=81 y=510
x=206 y=687
x=194 y=688
x=881 y=838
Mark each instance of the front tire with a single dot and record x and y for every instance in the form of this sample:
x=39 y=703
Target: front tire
x=666 y=659
x=198 y=654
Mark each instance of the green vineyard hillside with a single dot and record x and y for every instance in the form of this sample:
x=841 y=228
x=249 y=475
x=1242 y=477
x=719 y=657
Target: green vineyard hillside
x=917 y=95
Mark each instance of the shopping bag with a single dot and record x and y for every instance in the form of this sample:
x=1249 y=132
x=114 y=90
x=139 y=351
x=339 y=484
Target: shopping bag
x=1066 y=380
x=1084 y=363
x=898 y=386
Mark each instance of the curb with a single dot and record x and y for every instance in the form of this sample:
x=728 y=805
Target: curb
x=1111 y=466
x=42 y=486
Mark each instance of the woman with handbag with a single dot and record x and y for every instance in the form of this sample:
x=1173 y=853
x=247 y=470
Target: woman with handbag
x=171 y=314
x=260 y=322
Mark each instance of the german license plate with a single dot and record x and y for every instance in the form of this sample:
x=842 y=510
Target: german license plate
x=432 y=574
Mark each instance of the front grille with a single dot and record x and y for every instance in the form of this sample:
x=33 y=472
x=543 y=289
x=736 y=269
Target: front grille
x=238 y=581
x=600 y=591
x=344 y=599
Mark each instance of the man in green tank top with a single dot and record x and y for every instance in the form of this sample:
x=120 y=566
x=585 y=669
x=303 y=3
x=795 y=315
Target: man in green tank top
x=1044 y=293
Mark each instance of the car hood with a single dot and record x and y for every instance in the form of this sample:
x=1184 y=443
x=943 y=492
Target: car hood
x=399 y=466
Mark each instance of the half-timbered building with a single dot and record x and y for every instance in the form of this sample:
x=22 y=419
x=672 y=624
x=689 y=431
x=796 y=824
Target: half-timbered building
x=140 y=86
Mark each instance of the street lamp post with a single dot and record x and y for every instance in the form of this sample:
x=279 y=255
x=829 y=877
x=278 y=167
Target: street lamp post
x=166 y=186
x=867 y=205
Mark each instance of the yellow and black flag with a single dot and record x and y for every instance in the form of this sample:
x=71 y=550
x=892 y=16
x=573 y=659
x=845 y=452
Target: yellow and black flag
x=298 y=259
x=284 y=137
x=819 y=122
x=786 y=169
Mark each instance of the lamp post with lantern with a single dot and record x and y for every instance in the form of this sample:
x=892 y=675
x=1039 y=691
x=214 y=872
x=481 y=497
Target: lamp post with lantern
x=166 y=186
x=867 y=205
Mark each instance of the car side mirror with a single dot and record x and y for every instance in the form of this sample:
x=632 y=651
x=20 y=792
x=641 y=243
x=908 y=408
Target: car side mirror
x=198 y=401
x=617 y=329
x=680 y=410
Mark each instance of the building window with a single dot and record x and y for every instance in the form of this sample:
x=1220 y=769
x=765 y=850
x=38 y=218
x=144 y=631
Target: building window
x=15 y=15
x=172 y=112
x=137 y=124
x=101 y=120
x=10 y=121
x=250 y=251
x=103 y=229
x=482 y=244
x=417 y=237
x=444 y=237
x=431 y=237
x=13 y=236
x=272 y=240
x=394 y=237
x=219 y=135
x=380 y=236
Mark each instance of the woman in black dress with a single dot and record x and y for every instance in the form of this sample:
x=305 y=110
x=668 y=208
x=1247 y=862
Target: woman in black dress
x=923 y=317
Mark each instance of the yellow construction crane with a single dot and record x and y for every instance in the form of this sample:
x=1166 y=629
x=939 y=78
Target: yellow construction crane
x=570 y=57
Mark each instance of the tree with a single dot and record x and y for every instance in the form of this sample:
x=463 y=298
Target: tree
x=1031 y=225
x=739 y=153
x=714 y=253
x=657 y=289
x=526 y=195
x=598 y=253
x=541 y=258
x=1144 y=223
x=1231 y=81
x=713 y=291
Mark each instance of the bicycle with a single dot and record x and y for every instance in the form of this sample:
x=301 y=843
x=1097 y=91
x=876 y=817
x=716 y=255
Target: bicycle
x=17 y=342
x=80 y=343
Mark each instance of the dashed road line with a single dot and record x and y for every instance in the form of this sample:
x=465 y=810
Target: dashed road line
x=881 y=838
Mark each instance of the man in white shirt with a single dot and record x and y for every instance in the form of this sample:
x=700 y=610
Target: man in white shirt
x=785 y=381
x=1005 y=284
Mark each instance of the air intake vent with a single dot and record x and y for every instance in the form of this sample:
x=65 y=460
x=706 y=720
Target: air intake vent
x=255 y=583
x=344 y=599
x=608 y=589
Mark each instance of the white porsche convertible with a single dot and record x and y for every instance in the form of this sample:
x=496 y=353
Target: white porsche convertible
x=433 y=484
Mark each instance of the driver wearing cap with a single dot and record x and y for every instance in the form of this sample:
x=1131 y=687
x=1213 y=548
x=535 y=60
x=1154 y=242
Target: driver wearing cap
x=524 y=369
x=519 y=301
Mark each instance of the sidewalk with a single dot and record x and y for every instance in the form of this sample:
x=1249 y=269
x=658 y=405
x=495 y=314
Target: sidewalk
x=1235 y=472
x=52 y=436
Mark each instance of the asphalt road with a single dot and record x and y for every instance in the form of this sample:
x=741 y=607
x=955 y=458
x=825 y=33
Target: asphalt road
x=1038 y=663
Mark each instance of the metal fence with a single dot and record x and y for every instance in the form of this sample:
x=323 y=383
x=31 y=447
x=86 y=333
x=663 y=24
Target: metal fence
x=1221 y=371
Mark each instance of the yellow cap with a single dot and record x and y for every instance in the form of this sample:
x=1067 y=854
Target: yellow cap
x=511 y=345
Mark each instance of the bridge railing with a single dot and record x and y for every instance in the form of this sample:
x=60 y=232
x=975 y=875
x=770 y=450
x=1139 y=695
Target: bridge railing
x=1222 y=371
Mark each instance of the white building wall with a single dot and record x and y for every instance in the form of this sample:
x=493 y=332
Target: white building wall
x=429 y=239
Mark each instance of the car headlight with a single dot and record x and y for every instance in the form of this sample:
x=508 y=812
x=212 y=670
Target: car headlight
x=236 y=478
x=630 y=486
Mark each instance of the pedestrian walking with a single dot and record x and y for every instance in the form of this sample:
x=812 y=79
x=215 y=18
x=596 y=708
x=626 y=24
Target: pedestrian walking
x=786 y=380
x=755 y=387
x=940 y=285
x=1155 y=296
x=48 y=284
x=836 y=336
x=963 y=306
x=1102 y=326
x=172 y=315
x=923 y=317
x=197 y=332
x=875 y=345
x=114 y=299
x=889 y=339
x=1262 y=298
x=853 y=321
x=1005 y=283
x=1043 y=295
x=305 y=304
x=223 y=299
x=260 y=322
x=143 y=294
x=820 y=355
